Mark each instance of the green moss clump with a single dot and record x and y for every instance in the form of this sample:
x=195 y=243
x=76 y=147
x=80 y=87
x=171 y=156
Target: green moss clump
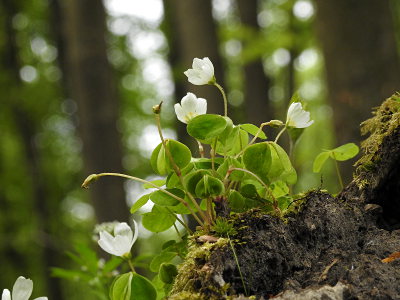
x=386 y=119
x=189 y=271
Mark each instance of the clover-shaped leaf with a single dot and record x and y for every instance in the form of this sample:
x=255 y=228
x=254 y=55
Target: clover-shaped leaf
x=206 y=127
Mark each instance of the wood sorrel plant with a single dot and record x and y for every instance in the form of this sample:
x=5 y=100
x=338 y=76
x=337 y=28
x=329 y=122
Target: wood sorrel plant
x=238 y=174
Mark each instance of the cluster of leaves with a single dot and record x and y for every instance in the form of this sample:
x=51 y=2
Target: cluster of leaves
x=243 y=176
x=244 y=170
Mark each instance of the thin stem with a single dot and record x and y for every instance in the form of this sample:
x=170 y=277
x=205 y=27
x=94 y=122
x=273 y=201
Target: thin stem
x=254 y=139
x=180 y=221
x=338 y=172
x=268 y=190
x=131 y=265
x=210 y=211
x=212 y=154
x=225 y=99
x=154 y=186
x=174 y=165
x=171 y=159
x=279 y=134
x=201 y=149
x=237 y=263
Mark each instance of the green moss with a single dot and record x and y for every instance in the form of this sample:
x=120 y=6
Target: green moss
x=385 y=120
x=189 y=271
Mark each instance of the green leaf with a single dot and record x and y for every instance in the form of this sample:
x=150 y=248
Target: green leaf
x=157 y=182
x=160 y=161
x=229 y=162
x=180 y=153
x=257 y=159
x=253 y=129
x=182 y=209
x=320 y=160
x=209 y=186
x=281 y=167
x=249 y=191
x=163 y=257
x=284 y=202
x=345 y=152
x=162 y=199
x=158 y=220
x=227 y=131
x=121 y=287
x=206 y=127
x=279 y=189
x=173 y=179
x=168 y=273
x=142 y=288
x=192 y=179
x=236 y=201
x=160 y=287
x=233 y=143
x=168 y=244
x=139 y=203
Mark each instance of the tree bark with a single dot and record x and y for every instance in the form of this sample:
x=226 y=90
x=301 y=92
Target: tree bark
x=345 y=247
x=256 y=84
x=361 y=58
x=90 y=82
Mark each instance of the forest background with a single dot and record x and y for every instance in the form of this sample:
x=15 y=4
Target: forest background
x=79 y=78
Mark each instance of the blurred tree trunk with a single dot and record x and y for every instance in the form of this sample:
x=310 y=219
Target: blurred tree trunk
x=26 y=122
x=256 y=83
x=192 y=32
x=362 y=63
x=90 y=83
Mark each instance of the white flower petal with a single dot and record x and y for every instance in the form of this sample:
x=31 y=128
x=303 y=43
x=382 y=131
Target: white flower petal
x=197 y=63
x=122 y=245
x=194 y=77
x=295 y=106
x=190 y=107
x=297 y=117
x=135 y=235
x=189 y=103
x=22 y=289
x=209 y=69
x=123 y=229
x=6 y=295
x=41 y=298
x=106 y=242
x=180 y=114
x=202 y=71
x=201 y=108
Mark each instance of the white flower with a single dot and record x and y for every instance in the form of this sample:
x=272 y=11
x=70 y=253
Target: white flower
x=297 y=117
x=202 y=72
x=22 y=290
x=121 y=243
x=190 y=107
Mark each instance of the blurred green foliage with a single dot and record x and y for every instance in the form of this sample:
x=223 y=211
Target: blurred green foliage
x=43 y=211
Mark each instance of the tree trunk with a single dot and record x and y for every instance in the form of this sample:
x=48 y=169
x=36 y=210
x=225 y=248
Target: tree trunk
x=90 y=82
x=27 y=123
x=337 y=248
x=361 y=58
x=256 y=83
x=195 y=35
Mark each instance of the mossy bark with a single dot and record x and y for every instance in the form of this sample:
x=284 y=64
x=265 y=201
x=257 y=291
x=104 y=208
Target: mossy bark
x=331 y=248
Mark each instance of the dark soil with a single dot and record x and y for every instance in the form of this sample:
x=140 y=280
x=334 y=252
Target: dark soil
x=328 y=242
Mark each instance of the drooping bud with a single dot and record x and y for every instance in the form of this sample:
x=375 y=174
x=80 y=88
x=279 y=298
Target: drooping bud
x=275 y=123
x=89 y=180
